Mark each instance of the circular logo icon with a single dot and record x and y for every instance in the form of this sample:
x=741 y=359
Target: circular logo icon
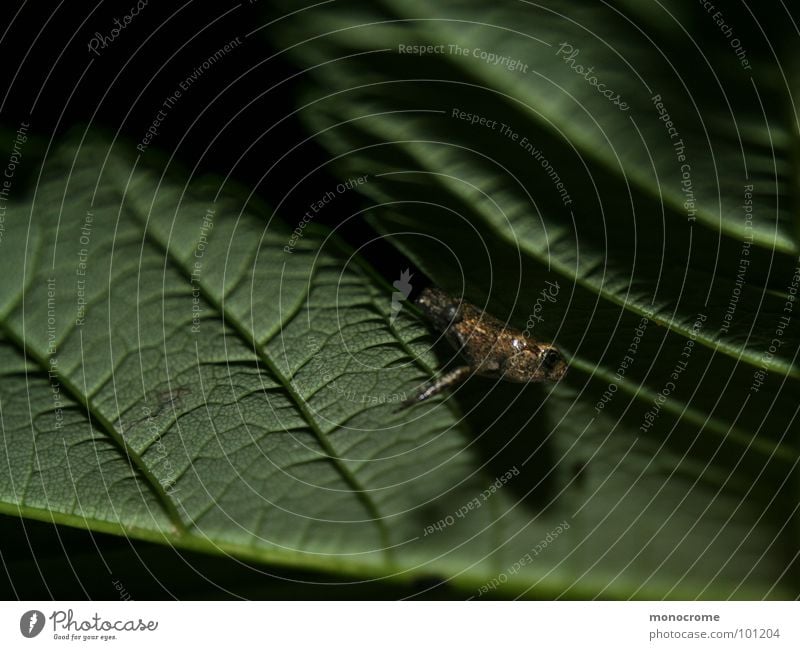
x=31 y=623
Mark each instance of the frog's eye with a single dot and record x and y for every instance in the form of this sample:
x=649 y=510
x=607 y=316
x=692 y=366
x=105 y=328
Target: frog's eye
x=550 y=358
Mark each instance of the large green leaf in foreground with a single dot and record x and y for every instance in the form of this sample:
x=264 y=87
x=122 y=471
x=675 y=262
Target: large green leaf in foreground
x=169 y=372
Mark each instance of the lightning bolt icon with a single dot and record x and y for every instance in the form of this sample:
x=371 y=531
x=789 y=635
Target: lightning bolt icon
x=32 y=622
x=403 y=287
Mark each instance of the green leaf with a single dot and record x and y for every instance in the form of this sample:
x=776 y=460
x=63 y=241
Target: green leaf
x=171 y=372
x=499 y=183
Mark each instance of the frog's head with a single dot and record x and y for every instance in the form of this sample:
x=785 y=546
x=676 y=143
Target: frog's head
x=536 y=363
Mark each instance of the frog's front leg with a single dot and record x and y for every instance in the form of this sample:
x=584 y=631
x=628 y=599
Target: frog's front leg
x=452 y=378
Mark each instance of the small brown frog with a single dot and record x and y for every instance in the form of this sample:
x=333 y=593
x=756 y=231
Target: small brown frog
x=490 y=347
